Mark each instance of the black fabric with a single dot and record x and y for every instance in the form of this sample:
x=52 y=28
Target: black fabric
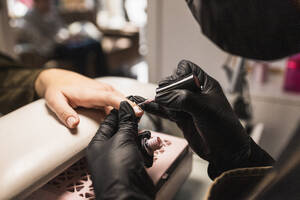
x=8 y=62
x=236 y=184
x=257 y=29
x=208 y=122
x=4 y=57
x=245 y=158
x=284 y=181
x=114 y=160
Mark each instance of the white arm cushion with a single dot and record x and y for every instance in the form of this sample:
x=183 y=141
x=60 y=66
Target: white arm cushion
x=35 y=146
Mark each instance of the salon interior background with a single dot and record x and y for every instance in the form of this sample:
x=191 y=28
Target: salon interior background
x=171 y=34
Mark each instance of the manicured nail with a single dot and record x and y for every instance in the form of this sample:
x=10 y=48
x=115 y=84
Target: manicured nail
x=138 y=111
x=71 y=121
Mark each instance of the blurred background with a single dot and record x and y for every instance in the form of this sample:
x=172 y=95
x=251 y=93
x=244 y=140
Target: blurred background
x=50 y=32
x=145 y=40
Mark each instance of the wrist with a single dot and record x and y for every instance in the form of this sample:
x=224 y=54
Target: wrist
x=42 y=80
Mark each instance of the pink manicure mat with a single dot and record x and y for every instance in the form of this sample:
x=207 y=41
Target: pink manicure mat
x=172 y=165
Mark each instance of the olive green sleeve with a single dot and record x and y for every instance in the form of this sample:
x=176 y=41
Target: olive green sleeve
x=16 y=85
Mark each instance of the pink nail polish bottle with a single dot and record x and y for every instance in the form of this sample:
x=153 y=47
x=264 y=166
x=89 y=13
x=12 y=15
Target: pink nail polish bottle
x=292 y=74
x=147 y=147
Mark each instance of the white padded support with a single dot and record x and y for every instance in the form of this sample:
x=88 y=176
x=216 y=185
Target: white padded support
x=35 y=146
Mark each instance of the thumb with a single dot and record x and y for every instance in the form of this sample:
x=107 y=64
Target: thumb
x=107 y=128
x=58 y=103
x=128 y=122
x=178 y=100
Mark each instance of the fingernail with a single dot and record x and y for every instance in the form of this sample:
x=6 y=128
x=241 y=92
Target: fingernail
x=138 y=111
x=71 y=121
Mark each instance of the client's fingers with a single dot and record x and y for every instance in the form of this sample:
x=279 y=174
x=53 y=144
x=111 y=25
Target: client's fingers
x=108 y=109
x=96 y=98
x=110 y=100
x=58 y=103
x=137 y=110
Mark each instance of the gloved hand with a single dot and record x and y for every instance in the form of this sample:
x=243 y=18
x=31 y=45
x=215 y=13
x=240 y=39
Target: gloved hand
x=114 y=160
x=182 y=119
x=208 y=122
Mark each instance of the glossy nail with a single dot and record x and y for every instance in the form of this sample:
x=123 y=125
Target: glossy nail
x=71 y=121
x=138 y=111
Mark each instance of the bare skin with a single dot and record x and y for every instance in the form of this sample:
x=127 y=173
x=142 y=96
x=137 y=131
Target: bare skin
x=65 y=90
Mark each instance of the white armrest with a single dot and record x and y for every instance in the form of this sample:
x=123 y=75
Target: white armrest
x=35 y=146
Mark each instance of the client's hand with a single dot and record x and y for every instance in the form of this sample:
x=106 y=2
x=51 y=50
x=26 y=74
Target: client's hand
x=65 y=90
x=114 y=160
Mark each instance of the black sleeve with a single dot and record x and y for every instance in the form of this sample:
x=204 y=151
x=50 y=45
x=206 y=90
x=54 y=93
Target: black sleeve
x=250 y=155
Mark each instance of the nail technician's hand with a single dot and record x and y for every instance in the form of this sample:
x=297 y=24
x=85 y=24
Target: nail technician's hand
x=209 y=111
x=65 y=90
x=208 y=122
x=114 y=160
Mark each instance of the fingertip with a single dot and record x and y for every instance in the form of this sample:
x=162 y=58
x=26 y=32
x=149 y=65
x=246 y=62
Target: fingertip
x=115 y=100
x=108 y=109
x=58 y=103
x=137 y=110
x=72 y=121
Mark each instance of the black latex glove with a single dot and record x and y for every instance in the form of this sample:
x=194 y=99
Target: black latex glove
x=257 y=29
x=183 y=120
x=208 y=122
x=114 y=160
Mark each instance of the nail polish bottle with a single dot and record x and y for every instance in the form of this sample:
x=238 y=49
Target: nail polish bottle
x=147 y=146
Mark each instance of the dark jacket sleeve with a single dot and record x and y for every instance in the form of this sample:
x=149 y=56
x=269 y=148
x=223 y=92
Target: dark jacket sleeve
x=278 y=182
x=16 y=84
x=251 y=155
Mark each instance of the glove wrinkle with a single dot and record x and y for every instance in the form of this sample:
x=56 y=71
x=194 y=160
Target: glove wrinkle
x=114 y=160
x=207 y=121
x=126 y=112
x=109 y=125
